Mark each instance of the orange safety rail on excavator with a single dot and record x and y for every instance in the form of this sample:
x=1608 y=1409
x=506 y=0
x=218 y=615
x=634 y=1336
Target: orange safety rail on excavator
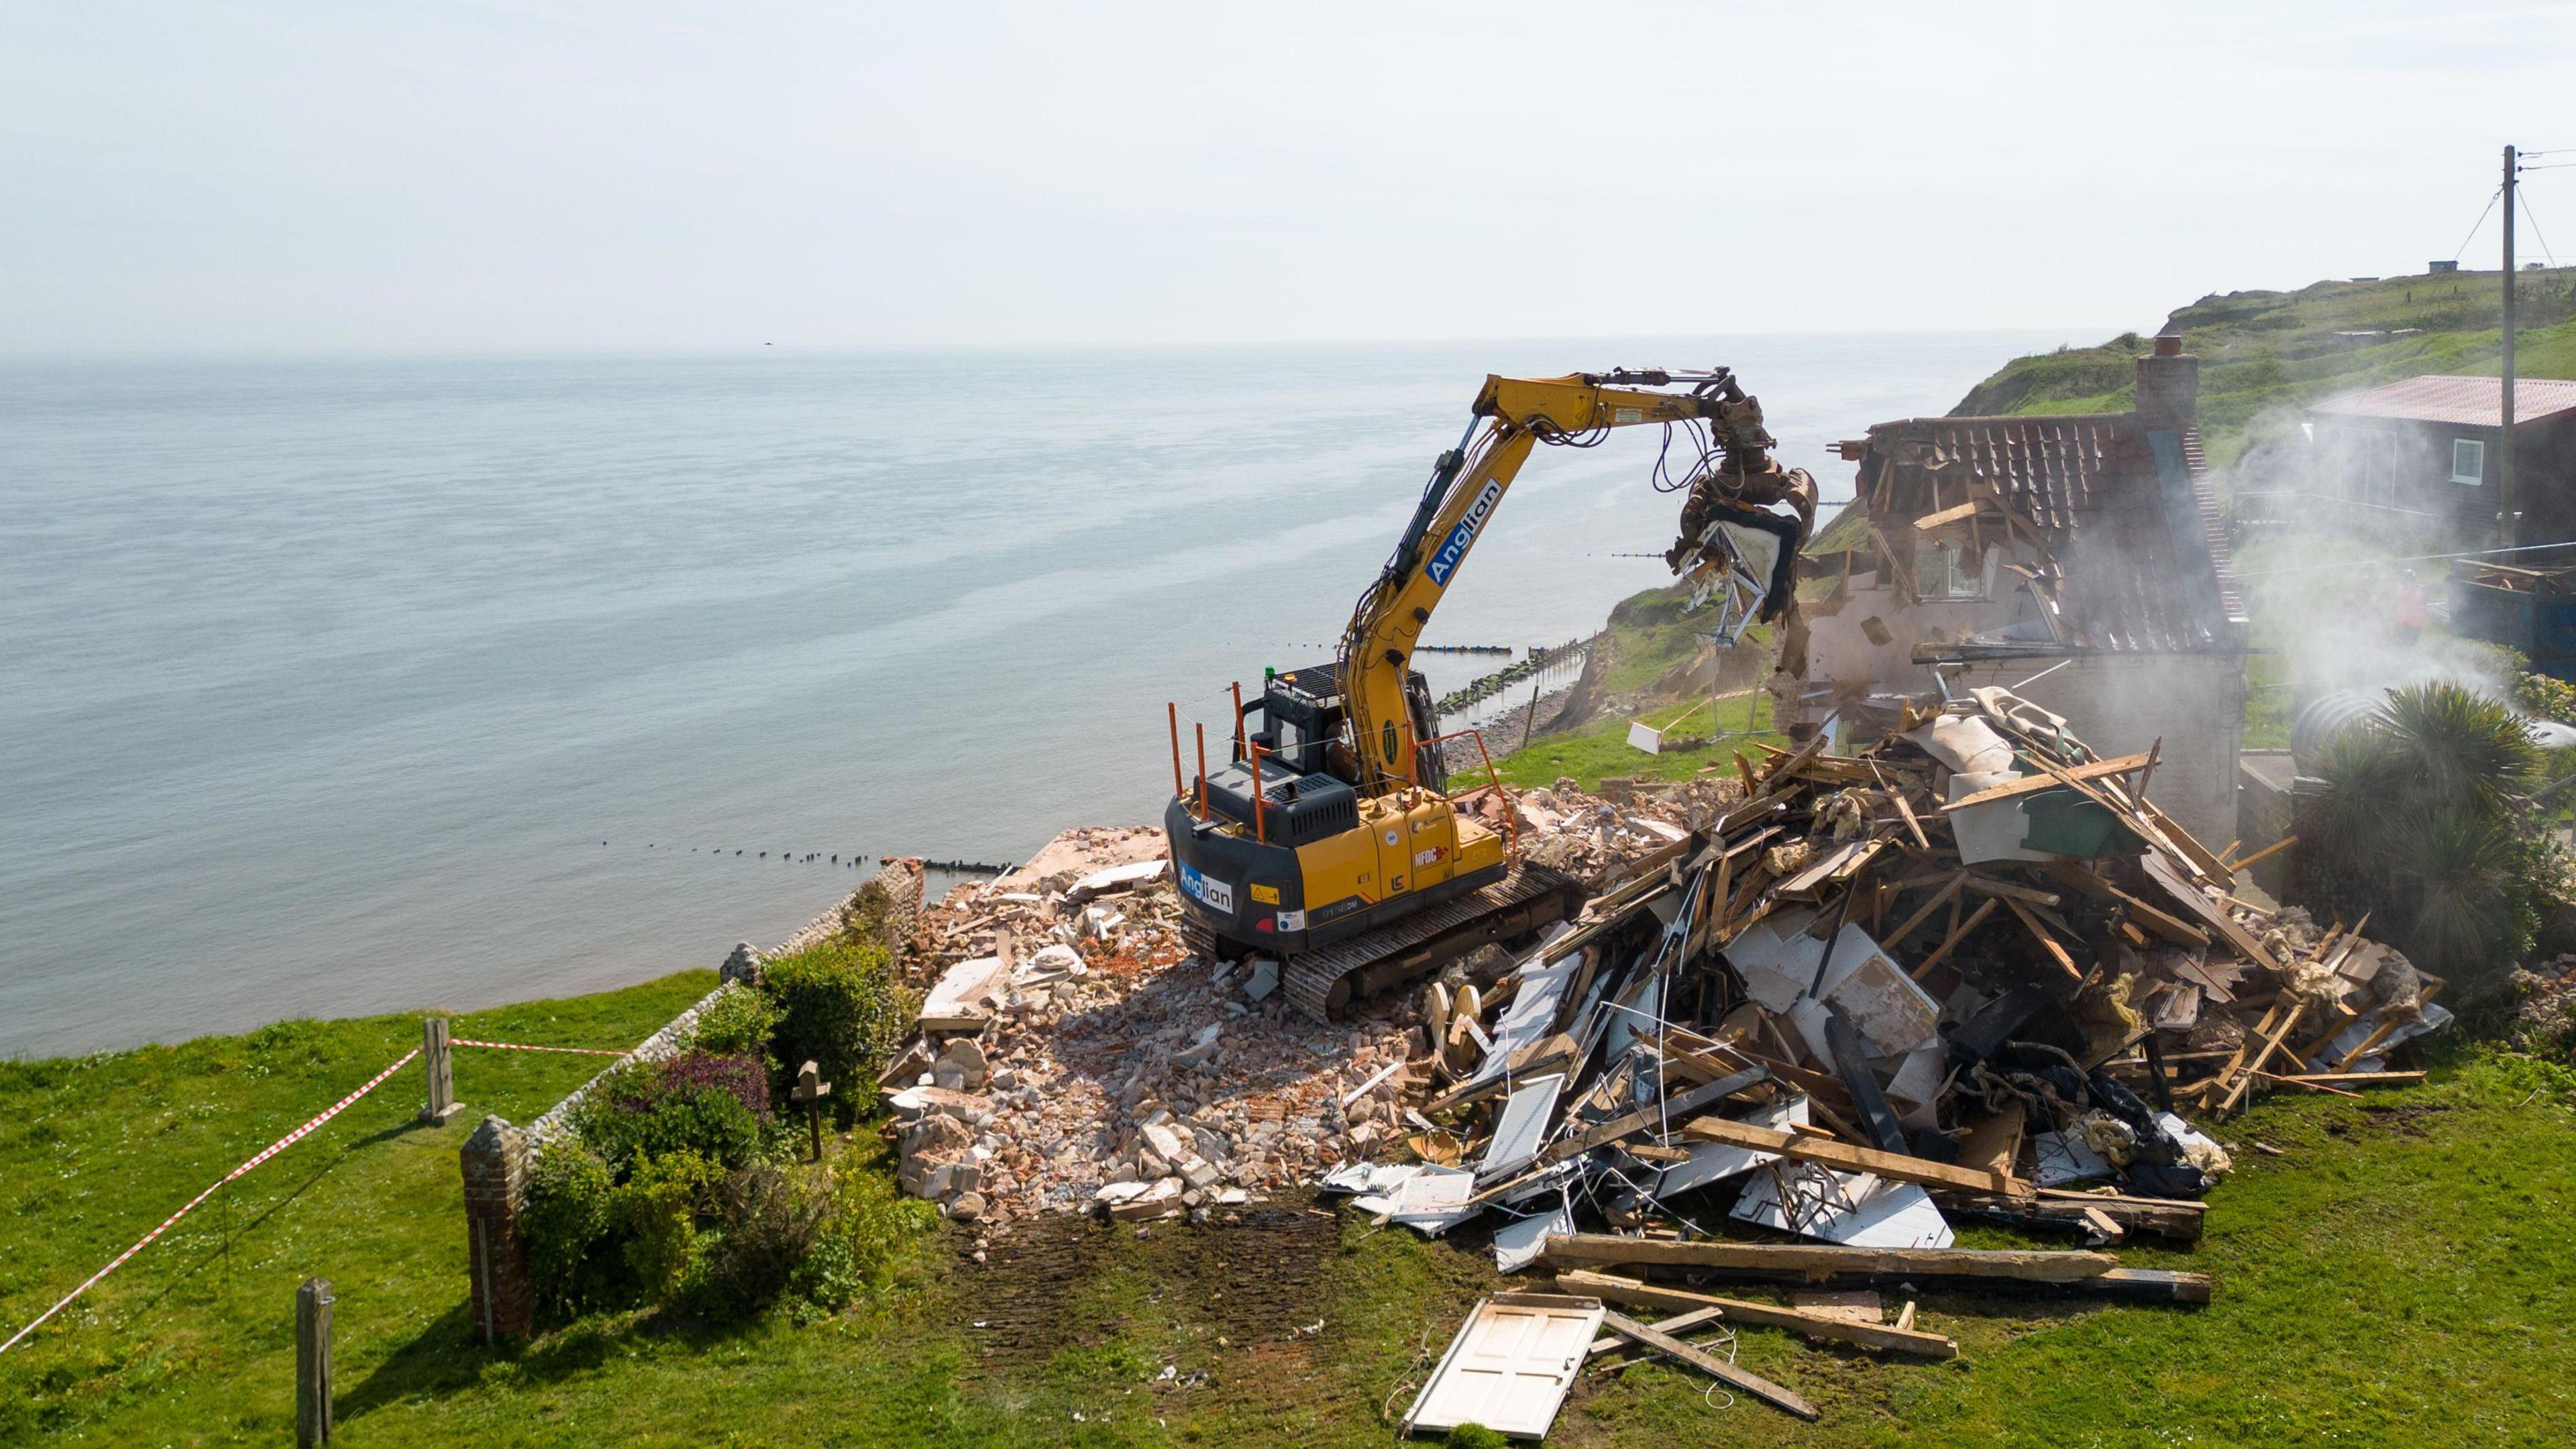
x=1493 y=782
x=1252 y=752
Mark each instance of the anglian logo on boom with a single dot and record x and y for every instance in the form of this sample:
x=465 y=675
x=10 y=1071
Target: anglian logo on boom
x=1453 y=549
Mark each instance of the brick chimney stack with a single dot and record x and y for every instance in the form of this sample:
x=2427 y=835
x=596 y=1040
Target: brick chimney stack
x=2168 y=386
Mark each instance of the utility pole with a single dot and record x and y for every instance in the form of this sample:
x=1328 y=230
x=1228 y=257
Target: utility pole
x=2509 y=517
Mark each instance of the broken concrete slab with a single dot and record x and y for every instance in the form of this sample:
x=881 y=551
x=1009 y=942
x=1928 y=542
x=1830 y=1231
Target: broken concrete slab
x=963 y=999
x=1113 y=880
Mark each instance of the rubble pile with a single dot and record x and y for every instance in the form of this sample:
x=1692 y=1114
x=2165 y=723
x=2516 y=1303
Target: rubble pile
x=1074 y=1057
x=1812 y=1013
x=1970 y=971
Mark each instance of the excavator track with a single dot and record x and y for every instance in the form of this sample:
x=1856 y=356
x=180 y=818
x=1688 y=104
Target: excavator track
x=1321 y=982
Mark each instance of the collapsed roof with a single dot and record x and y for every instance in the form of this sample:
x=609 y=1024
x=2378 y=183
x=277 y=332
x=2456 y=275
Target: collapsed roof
x=2108 y=519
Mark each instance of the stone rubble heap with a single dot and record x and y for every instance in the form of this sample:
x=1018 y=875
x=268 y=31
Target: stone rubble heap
x=1099 y=1066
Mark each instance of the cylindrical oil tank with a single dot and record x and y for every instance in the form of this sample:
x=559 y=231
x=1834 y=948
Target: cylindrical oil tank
x=2323 y=719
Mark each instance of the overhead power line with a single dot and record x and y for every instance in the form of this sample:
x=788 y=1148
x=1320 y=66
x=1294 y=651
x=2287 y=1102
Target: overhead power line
x=2462 y=249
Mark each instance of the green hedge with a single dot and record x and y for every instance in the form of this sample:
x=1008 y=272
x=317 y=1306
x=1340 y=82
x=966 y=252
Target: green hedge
x=679 y=1187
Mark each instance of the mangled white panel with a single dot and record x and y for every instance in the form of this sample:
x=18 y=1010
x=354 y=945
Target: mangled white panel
x=1718 y=1161
x=1434 y=1200
x=1518 y=1244
x=1994 y=830
x=1117 y=878
x=1858 y=1210
x=1522 y=1128
x=1965 y=743
x=1531 y=1013
x=1892 y=1014
x=1734 y=569
x=2059 y=1158
x=1778 y=960
x=1918 y=1079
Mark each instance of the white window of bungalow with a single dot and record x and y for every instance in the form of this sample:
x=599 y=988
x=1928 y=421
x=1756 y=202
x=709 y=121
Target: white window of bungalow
x=2468 y=461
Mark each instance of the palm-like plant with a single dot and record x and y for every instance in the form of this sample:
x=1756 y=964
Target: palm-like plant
x=2456 y=749
x=2462 y=875
x=2422 y=822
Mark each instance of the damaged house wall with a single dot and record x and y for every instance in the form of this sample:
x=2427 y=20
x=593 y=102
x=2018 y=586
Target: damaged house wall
x=2083 y=549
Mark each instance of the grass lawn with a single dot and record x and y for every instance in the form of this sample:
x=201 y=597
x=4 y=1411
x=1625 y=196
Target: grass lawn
x=1602 y=748
x=2403 y=1273
x=1647 y=637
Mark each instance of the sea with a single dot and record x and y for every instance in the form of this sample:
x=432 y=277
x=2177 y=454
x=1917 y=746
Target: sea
x=337 y=685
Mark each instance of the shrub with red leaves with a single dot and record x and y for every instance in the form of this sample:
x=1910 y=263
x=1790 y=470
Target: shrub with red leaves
x=744 y=1078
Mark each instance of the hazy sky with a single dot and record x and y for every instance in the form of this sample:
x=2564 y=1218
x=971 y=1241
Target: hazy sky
x=218 y=174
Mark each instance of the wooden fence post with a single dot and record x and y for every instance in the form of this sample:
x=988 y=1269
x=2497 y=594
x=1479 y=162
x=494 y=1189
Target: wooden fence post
x=439 y=1063
x=312 y=1364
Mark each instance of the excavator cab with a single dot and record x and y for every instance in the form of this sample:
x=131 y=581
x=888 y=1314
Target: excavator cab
x=1279 y=851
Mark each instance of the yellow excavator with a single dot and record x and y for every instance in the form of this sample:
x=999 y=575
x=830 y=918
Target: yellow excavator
x=1330 y=839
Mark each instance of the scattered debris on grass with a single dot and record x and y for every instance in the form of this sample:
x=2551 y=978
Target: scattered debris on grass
x=1814 y=1012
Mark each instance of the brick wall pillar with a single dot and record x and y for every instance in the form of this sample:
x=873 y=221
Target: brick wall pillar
x=495 y=1160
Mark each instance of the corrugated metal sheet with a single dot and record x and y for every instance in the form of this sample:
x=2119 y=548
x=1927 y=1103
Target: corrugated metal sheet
x=2441 y=398
x=1510 y=1365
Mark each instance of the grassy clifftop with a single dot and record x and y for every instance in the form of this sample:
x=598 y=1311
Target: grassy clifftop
x=2390 y=1270
x=2266 y=354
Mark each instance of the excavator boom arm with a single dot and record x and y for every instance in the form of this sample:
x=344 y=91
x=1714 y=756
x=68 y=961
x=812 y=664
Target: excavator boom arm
x=1466 y=487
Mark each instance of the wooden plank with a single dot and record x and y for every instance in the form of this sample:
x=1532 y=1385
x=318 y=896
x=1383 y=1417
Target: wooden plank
x=1654 y=1115
x=2271 y=1043
x=1816 y=1261
x=1781 y=766
x=1678 y=1323
x=1947 y=516
x=2155 y=749
x=1706 y=1061
x=2355 y=1079
x=2169 y=878
x=2171 y=927
x=1986 y=885
x=2295 y=1082
x=1905 y=811
x=1994 y=1143
x=2180 y=1222
x=2047 y=942
x=2266 y=853
x=1964 y=929
x=1716 y=1368
x=1636 y=1294
x=1940 y=898
x=2029 y=784
x=2150 y=1285
x=2210 y=865
x=1846 y=1157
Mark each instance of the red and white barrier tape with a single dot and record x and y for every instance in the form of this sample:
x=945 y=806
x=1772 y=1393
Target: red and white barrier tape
x=511 y=1046
x=271 y=1150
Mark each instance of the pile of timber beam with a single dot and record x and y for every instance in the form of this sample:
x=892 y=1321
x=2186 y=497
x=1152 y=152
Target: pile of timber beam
x=1968 y=970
